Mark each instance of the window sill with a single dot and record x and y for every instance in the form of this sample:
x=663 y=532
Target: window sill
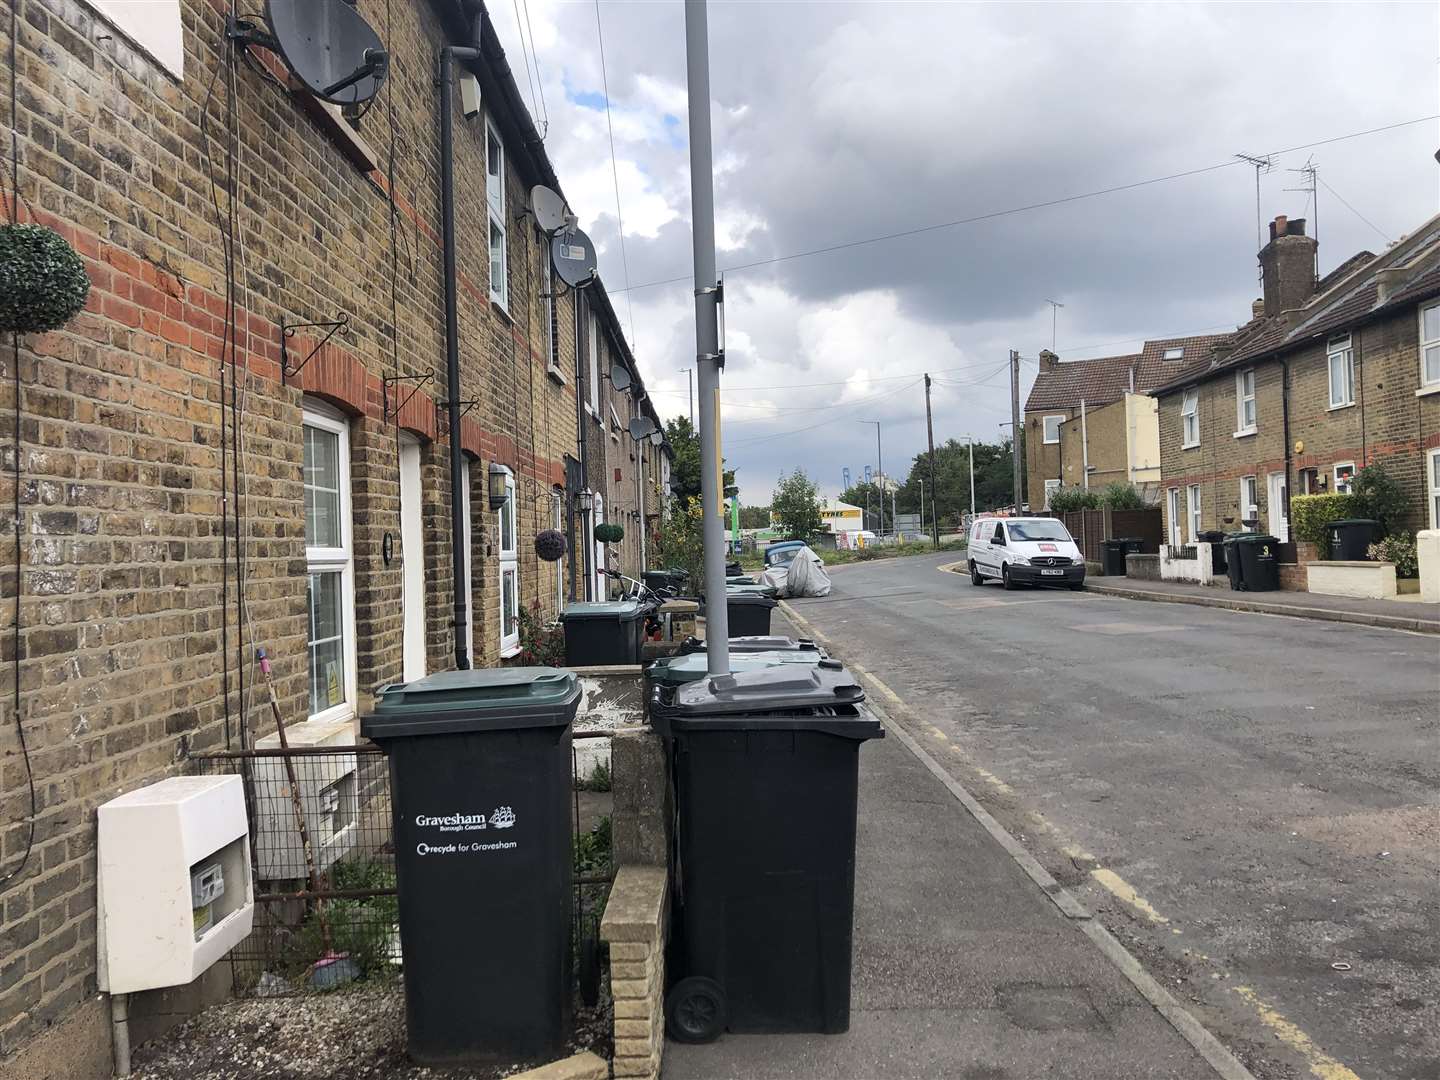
x=1426 y=391
x=501 y=305
x=1050 y=442
x=1190 y=446
x=510 y=652
x=1340 y=408
x=556 y=375
x=1247 y=434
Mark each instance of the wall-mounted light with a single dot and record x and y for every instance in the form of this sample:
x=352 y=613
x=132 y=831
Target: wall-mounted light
x=498 y=477
x=585 y=500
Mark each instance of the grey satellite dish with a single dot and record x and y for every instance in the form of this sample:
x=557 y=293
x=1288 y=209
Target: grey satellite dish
x=548 y=208
x=328 y=46
x=574 y=257
x=620 y=377
x=657 y=437
x=641 y=427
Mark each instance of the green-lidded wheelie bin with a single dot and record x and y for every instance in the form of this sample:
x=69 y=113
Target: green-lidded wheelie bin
x=1259 y=566
x=480 y=785
x=604 y=632
x=766 y=779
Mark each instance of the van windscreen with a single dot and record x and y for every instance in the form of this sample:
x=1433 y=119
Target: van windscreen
x=1038 y=530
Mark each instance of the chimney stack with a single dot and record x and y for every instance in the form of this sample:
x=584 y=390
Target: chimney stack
x=1287 y=266
x=1048 y=360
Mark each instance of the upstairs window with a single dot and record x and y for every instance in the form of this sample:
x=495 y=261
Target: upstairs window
x=1245 y=402
x=1190 y=419
x=1430 y=345
x=1052 y=428
x=1341 y=359
x=594 y=389
x=495 y=204
x=1175 y=353
x=547 y=310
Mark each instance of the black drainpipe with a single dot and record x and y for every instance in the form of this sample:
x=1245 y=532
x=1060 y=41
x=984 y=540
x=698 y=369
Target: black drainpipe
x=448 y=55
x=1285 y=431
x=580 y=390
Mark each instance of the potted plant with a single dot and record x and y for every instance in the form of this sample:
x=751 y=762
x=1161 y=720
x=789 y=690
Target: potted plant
x=43 y=284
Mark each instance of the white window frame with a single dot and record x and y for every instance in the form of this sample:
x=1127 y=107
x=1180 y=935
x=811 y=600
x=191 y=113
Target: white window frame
x=1340 y=355
x=1242 y=399
x=1192 y=508
x=1059 y=419
x=1433 y=471
x=547 y=311
x=1429 y=349
x=414 y=661
x=614 y=423
x=495 y=207
x=155 y=26
x=507 y=528
x=1176 y=352
x=1349 y=483
x=1249 y=497
x=1172 y=507
x=1190 y=418
x=330 y=560
x=592 y=402
x=1051 y=486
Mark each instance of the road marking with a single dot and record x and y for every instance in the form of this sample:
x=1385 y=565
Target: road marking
x=1123 y=890
x=1119 y=629
x=1321 y=1064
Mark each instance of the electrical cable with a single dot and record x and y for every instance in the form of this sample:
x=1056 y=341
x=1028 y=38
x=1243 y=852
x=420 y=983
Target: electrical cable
x=1383 y=235
x=13 y=209
x=534 y=109
x=615 y=175
x=822 y=423
x=539 y=79
x=991 y=215
x=838 y=382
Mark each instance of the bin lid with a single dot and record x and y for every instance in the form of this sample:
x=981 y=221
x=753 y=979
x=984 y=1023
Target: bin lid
x=486 y=699
x=1235 y=537
x=820 y=697
x=1351 y=521
x=614 y=610
x=749 y=599
x=754 y=643
x=1256 y=538
x=688 y=667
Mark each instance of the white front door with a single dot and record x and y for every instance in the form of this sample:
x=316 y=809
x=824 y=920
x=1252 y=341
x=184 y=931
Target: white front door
x=412 y=562
x=1172 y=508
x=599 y=582
x=1279 y=523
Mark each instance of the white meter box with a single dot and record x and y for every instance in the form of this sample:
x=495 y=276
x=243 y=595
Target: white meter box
x=173 y=881
x=328 y=795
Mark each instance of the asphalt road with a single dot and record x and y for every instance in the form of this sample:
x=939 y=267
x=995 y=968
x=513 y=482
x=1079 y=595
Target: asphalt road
x=1251 y=803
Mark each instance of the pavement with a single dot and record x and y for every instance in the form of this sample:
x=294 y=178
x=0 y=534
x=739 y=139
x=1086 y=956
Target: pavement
x=1250 y=804
x=963 y=966
x=1406 y=613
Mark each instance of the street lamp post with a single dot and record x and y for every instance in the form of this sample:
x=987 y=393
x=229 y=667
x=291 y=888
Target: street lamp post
x=880 y=463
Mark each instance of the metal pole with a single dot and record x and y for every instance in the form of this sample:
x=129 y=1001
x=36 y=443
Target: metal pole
x=707 y=335
x=922 y=503
x=1084 y=447
x=640 y=451
x=971 y=440
x=1015 y=427
x=880 y=464
x=934 y=489
x=448 y=55
x=690 y=385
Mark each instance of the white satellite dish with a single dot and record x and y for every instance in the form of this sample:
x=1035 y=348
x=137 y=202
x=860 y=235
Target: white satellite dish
x=548 y=208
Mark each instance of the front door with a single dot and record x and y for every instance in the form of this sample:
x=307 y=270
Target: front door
x=1279 y=522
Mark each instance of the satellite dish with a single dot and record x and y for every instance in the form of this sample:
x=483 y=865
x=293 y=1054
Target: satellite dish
x=641 y=427
x=620 y=377
x=328 y=46
x=548 y=208
x=573 y=255
x=657 y=437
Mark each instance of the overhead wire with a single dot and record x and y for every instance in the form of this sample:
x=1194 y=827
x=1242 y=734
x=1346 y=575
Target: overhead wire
x=524 y=52
x=1383 y=234
x=822 y=423
x=1009 y=211
x=615 y=175
x=539 y=78
x=837 y=382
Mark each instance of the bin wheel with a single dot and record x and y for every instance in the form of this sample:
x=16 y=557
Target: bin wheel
x=695 y=1010
x=975 y=577
x=1005 y=577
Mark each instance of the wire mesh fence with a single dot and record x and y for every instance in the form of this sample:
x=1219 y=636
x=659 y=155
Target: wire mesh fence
x=323 y=863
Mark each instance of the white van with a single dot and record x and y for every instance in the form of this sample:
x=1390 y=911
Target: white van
x=1024 y=550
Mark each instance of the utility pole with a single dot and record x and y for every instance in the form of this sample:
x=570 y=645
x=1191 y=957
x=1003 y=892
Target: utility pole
x=690 y=382
x=1015 y=428
x=1084 y=448
x=934 y=488
x=707 y=335
x=971 y=440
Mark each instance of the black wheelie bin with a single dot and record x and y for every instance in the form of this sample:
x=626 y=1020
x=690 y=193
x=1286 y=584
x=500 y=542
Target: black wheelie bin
x=1259 y=566
x=480 y=776
x=766 y=777
x=605 y=632
x=1350 y=538
x=1114 y=557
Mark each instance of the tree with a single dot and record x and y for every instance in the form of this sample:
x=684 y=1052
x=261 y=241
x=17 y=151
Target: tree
x=754 y=517
x=681 y=540
x=994 y=483
x=685 y=466
x=796 y=503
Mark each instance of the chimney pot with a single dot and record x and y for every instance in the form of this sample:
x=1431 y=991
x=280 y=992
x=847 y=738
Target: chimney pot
x=1048 y=360
x=1257 y=307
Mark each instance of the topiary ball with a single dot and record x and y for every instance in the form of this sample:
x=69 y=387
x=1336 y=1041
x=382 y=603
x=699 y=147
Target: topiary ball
x=43 y=284
x=609 y=534
x=550 y=545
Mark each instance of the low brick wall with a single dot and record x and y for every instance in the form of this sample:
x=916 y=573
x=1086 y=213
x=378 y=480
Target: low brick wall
x=1143 y=567
x=634 y=927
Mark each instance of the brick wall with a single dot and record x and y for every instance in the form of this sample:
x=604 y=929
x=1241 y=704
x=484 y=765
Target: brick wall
x=126 y=423
x=1044 y=461
x=1388 y=425
x=1105 y=431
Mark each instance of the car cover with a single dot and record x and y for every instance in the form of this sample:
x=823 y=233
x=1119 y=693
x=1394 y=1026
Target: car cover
x=806 y=576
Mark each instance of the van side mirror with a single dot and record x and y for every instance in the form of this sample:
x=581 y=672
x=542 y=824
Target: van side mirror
x=999 y=541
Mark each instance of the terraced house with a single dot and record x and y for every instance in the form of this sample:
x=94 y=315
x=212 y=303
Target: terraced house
x=243 y=440
x=1329 y=376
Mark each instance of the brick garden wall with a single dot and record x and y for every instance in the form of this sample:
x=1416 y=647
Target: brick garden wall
x=121 y=658
x=1388 y=425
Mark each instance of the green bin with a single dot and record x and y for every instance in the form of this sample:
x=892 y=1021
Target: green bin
x=480 y=780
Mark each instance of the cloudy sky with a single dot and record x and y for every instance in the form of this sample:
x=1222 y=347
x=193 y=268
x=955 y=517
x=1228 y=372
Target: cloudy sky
x=836 y=123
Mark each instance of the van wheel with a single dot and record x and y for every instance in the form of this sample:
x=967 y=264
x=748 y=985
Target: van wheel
x=1005 y=577
x=975 y=578
x=1077 y=586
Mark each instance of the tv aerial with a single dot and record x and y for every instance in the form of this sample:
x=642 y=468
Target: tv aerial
x=327 y=45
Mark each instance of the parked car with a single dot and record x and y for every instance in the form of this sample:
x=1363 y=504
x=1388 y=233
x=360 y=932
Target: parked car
x=780 y=553
x=1024 y=550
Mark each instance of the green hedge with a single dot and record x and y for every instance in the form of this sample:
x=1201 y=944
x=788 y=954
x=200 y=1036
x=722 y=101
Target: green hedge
x=1309 y=514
